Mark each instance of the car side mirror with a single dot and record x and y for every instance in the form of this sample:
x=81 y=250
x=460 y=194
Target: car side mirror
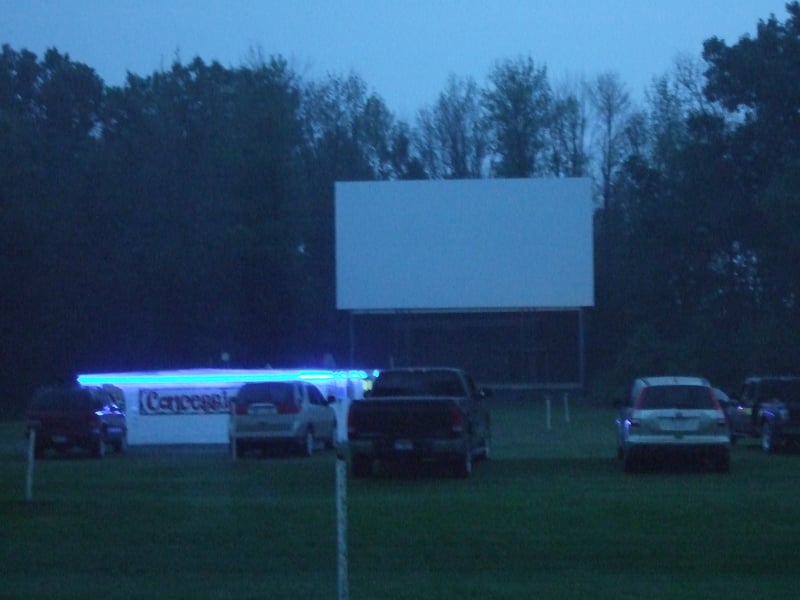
x=330 y=400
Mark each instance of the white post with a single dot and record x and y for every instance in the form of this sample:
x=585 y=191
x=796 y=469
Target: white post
x=566 y=406
x=547 y=412
x=341 y=521
x=31 y=459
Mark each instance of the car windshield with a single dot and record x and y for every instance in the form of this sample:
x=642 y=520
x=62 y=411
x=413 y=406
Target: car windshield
x=279 y=393
x=62 y=400
x=677 y=396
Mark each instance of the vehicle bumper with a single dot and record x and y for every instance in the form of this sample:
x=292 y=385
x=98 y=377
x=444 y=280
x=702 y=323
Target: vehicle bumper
x=400 y=448
x=715 y=446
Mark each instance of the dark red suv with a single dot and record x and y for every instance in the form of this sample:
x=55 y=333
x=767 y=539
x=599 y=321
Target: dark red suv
x=77 y=417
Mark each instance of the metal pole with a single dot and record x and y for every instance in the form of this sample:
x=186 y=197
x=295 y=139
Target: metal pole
x=547 y=408
x=566 y=407
x=31 y=459
x=352 y=333
x=581 y=348
x=341 y=521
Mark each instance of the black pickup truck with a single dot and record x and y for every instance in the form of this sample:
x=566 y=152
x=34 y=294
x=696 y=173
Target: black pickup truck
x=768 y=408
x=419 y=414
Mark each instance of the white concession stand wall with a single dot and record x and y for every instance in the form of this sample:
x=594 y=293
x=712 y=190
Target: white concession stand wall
x=192 y=406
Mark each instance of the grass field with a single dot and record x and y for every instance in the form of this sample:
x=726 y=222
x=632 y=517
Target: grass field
x=550 y=516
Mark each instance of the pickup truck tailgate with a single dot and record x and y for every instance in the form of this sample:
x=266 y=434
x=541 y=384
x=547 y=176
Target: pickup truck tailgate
x=407 y=417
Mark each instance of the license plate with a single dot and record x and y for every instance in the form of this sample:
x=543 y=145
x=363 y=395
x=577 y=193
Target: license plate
x=681 y=425
x=403 y=445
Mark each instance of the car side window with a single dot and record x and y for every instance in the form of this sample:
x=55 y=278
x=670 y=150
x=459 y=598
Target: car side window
x=315 y=396
x=747 y=395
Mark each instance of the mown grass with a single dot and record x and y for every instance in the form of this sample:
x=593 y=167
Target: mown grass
x=550 y=516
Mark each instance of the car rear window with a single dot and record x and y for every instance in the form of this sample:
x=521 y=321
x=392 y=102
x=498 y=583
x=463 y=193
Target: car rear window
x=417 y=383
x=277 y=393
x=62 y=400
x=677 y=396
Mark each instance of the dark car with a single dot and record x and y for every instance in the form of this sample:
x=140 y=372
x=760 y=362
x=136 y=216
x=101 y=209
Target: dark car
x=70 y=417
x=768 y=407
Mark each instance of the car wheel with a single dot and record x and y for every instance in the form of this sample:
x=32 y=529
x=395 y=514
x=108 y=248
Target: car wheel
x=463 y=464
x=308 y=444
x=239 y=447
x=121 y=445
x=486 y=451
x=100 y=447
x=768 y=442
x=360 y=466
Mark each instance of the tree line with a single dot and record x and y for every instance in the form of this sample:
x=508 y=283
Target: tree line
x=185 y=218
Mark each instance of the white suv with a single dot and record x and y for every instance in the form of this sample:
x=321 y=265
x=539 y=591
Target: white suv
x=281 y=412
x=672 y=415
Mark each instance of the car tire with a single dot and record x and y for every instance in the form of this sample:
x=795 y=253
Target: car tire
x=769 y=443
x=100 y=448
x=463 y=464
x=121 y=445
x=486 y=449
x=307 y=448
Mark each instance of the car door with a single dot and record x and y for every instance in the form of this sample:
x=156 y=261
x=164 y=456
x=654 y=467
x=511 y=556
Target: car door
x=740 y=412
x=321 y=415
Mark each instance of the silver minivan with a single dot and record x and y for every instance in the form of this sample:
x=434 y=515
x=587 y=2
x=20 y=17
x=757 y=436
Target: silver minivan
x=672 y=416
x=291 y=413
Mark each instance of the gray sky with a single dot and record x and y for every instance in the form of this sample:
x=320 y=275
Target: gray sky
x=403 y=49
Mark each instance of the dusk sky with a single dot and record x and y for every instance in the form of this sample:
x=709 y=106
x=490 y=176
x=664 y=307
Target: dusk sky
x=403 y=49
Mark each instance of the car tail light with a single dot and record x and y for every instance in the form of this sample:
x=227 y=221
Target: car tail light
x=456 y=420
x=239 y=408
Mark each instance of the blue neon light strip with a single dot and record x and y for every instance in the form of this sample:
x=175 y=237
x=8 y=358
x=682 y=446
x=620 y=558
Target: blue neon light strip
x=215 y=376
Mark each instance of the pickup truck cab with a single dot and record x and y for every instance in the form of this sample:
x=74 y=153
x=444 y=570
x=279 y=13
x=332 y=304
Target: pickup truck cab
x=419 y=414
